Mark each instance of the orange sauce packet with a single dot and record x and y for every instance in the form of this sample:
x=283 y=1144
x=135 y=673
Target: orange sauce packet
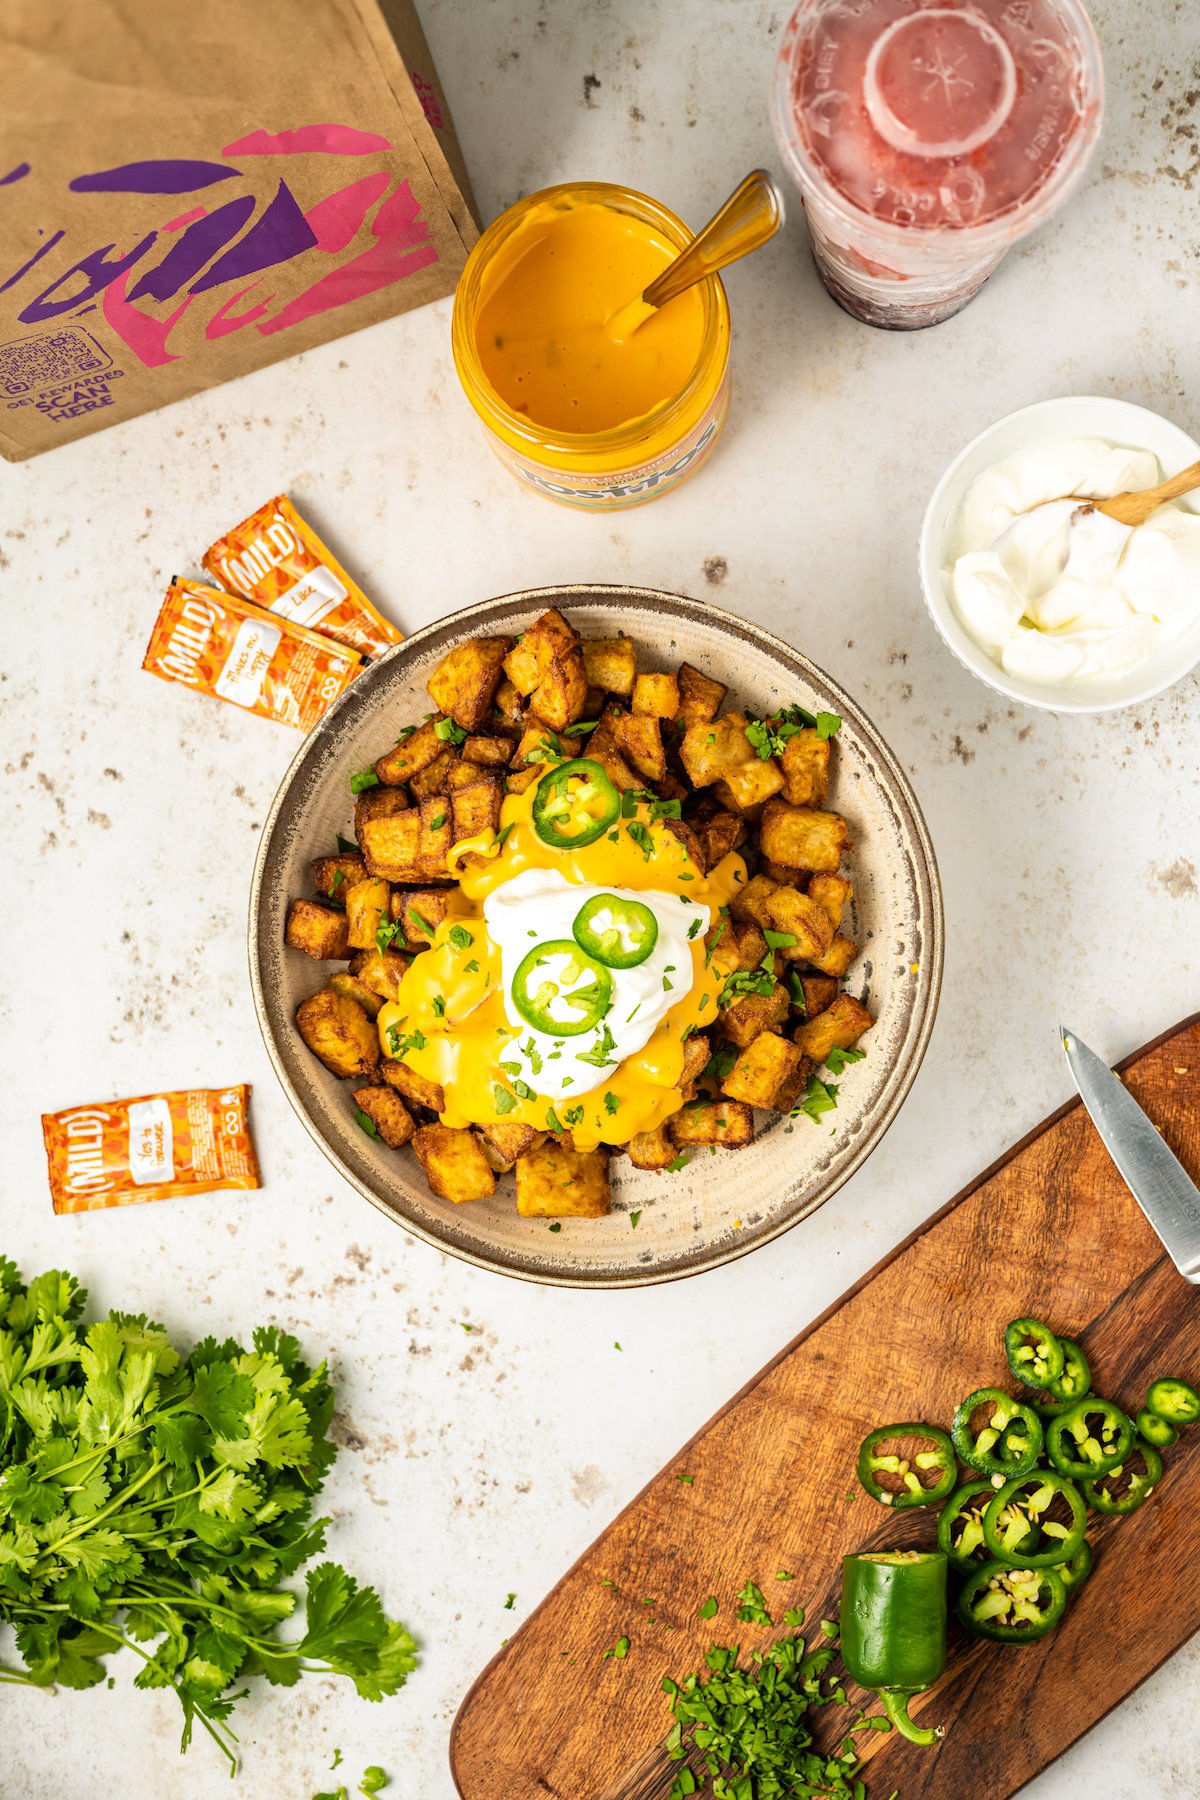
x=222 y=645
x=118 y=1152
x=277 y=559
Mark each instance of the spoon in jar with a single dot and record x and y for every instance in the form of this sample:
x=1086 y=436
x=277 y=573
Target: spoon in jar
x=752 y=214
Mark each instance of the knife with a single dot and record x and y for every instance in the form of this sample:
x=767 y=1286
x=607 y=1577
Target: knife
x=1155 y=1177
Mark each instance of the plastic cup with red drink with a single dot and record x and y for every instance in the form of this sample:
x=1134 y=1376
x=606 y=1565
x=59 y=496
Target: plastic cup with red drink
x=927 y=138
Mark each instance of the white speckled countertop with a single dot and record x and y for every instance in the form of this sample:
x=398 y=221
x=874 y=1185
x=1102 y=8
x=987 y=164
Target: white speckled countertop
x=478 y=1464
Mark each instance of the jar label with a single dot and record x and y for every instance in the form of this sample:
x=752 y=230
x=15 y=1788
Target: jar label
x=625 y=487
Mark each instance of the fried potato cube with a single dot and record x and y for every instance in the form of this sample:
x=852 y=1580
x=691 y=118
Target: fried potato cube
x=696 y=1053
x=617 y=769
x=750 y=785
x=839 y=1027
x=721 y=948
x=750 y=900
x=387 y=1112
x=418 y=1090
x=832 y=893
x=534 y=748
x=546 y=641
x=337 y=1030
x=604 y=735
x=378 y=803
x=349 y=984
x=560 y=695
x=719 y=834
x=391 y=845
x=820 y=991
x=837 y=959
x=503 y=1142
x=700 y=697
x=465 y=681
x=487 y=752
x=769 y=1072
x=639 y=738
x=415 y=751
x=670 y=788
x=508 y=708
x=455 y=1167
x=556 y=1181
x=799 y=916
x=611 y=664
x=435 y=838
x=801 y=837
x=382 y=971
x=476 y=808
x=806 y=769
x=711 y=748
x=693 y=849
x=656 y=696
x=751 y=944
x=368 y=902
x=420 y=912
x=318 y=930
x=332 y=874
x=727 y=1122
x=435 y=779
x=753 y=1013
x=651 y=1150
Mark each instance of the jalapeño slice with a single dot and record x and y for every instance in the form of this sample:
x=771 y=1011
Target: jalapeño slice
x=1034 y=1353
x=561 y=990
x=1090 y=1440
x=1078 y=1569
x=911 y=1489
x=960 y=1526
x=1018 y=1530
x=1011 y=1606
x=1076 y=1376
x=1155 y=1430
x=1174 y=1400
x=574 y=805
x=619 y=933
x=1110 y=1495
x=1008 y=1444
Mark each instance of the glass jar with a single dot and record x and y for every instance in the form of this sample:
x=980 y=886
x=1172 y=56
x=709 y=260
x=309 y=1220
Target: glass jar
x=634 y=460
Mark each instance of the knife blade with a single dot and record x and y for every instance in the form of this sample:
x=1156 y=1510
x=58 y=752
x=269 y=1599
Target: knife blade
x=1154 y=1175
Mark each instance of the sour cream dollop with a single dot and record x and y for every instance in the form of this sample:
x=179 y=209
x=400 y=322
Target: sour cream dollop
x=1056 y=592
x=538 y=906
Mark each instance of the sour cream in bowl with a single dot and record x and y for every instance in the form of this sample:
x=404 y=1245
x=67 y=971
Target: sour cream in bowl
x=1040 y=595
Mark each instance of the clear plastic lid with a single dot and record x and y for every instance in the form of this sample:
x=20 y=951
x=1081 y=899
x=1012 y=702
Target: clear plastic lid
x=939 y=117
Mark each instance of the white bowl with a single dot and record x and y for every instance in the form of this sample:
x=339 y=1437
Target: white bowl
x=1117 y=421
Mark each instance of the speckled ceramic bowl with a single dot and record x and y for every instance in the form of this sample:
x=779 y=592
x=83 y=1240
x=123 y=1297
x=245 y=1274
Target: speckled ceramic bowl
x=719 y=1206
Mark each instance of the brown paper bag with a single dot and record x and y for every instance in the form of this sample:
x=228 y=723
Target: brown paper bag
x=189 y=191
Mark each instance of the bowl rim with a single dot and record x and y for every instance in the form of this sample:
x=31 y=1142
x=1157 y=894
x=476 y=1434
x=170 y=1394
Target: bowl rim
x=583 y=596
x=940 y=607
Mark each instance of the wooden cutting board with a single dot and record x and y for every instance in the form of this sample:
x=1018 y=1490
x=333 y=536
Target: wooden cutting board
x=1052 y=1231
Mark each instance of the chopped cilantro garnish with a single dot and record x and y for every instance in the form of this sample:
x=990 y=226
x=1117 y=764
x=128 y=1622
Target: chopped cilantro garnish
x=422 y=923
x=581 y=727
x=471 y=968
x=621 y=1648
x=449 y=732
x=753 y=1608
x=718 y=934
x=743 y=982
x=339 y=875
x=838 y=1059
x=573 y=1115
x=405 y=735
x=677 y=1163
x=436 y=824
x=557 y=1225
x=821 y=1098
x=694 y=929
x=366 y=778
x=399 y=1045
x=367 y=1124
x=347 y=845
x=641 y=837
x=611 y=1103
x=460 y=937
x=795 y=988
x=553 y=1122
x=780 y=940
x=633 y=1219
x=601 y=1054
x=504 y=1101
x=386 y=933
x=439 y=1006
x=666 y=809
x=709 y=1609
x=720 y=1062
x=510 y=1603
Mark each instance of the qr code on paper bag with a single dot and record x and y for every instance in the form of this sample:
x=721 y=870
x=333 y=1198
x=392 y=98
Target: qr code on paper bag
x=27 y=365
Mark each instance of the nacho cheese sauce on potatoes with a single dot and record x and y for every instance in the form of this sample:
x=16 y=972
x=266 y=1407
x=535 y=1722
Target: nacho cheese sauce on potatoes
x=585 y=911
x=483 y=1053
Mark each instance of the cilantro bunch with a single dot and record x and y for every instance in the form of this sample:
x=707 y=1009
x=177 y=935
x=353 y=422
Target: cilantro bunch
x=159 y=1502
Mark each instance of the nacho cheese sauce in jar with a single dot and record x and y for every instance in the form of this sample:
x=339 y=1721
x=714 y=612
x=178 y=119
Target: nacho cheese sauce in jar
x=577 y=407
